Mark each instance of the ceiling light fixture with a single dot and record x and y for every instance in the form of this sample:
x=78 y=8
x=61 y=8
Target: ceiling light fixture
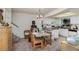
x=39 y=14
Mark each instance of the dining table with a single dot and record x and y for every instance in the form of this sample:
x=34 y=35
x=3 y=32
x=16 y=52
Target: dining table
x=46 y=36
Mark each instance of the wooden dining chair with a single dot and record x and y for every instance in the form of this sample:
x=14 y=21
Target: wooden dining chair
x=48 y=39
x=37 y=42
x=27 y=35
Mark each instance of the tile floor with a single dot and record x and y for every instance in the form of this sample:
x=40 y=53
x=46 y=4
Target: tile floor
x=24 y=45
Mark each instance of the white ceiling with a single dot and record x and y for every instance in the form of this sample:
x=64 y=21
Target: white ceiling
x=74 y=10
x=34 y=11
x=68 y=10
x=46 y=11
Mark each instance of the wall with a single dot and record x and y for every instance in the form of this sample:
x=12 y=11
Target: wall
x=52 y=21
x=74 y=20
x=7 y=15
x=24 y=21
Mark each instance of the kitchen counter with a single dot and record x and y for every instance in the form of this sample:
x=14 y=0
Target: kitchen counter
x=74 y=30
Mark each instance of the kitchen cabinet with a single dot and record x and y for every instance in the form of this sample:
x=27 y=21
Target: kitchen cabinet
x=55 y=33
x=72 y=33
x=63 y=32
